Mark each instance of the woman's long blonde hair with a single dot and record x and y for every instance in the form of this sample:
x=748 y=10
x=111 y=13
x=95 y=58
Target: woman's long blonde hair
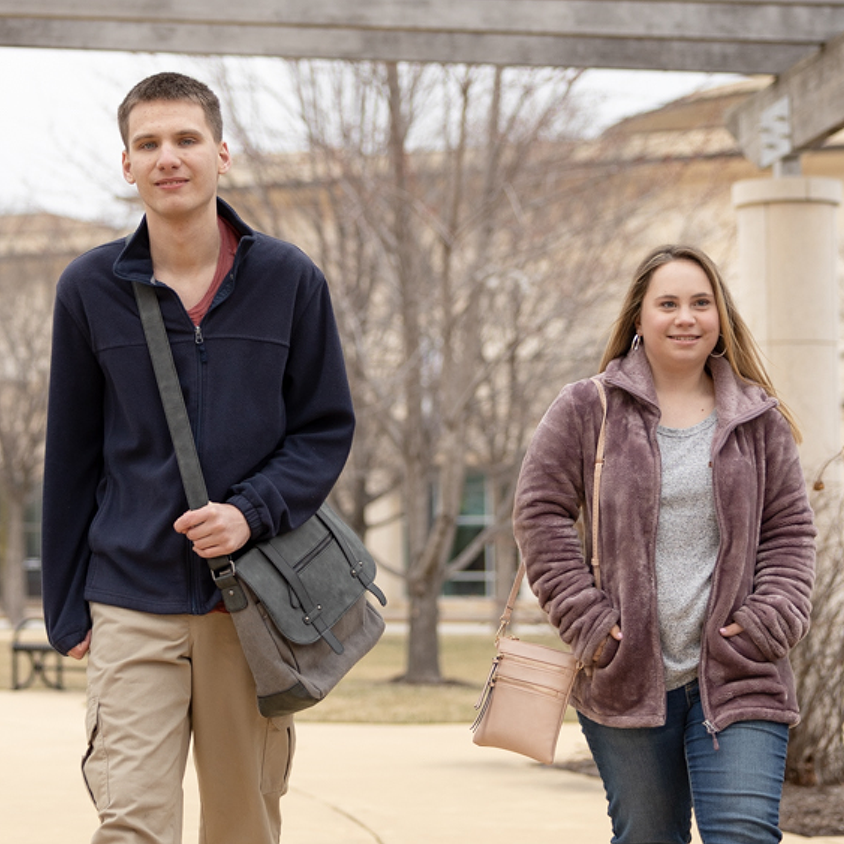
x=735 y=343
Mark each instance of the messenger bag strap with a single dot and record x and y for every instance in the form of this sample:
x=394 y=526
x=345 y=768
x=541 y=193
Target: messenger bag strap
x=312 y=609
x=178 y=422
x=337 y=528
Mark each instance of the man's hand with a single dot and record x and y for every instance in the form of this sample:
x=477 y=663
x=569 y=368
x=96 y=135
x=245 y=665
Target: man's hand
x=731 y=630
x=82 y=648
x=215 y=530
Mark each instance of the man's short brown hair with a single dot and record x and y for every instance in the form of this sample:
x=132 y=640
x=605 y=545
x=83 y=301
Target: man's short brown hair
x=171 y=86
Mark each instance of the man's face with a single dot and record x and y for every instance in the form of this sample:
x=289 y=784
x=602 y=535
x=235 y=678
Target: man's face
x=173 y=158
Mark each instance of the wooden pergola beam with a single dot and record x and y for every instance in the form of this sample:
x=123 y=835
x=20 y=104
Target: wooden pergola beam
x=801 y=109
x=799 y=42
x=753 y=36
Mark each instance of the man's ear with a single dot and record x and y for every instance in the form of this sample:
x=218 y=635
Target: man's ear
x=225 y=157
x=126 y=165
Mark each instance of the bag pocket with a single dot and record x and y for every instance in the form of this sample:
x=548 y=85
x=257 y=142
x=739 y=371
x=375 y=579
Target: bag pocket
x=522 y=717
x=535 y=673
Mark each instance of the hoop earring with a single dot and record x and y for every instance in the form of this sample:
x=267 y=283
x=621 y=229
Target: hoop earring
x=721 y=353
x=637 y=341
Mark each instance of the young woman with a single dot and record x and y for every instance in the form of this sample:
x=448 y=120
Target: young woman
x=707 y=561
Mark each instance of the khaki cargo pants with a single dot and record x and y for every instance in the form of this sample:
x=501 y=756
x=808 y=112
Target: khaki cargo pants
x=155 y=682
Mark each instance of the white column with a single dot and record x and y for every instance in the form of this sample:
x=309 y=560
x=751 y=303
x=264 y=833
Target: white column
x=787 y=291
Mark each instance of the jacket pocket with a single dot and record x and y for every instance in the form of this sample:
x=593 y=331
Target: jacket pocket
x=279 y=747
x=95 y=760
x=742 y=669
x=608 y=653
x=745 y=648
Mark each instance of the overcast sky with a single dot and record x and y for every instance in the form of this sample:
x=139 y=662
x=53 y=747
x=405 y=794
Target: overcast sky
x=59 y=145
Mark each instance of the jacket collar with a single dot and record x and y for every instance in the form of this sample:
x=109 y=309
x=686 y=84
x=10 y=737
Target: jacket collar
x=736 y=401
x=134 y=263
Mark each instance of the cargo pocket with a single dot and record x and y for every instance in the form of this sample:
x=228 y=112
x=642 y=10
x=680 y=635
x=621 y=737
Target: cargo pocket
x=279 y=746
x=95 y=760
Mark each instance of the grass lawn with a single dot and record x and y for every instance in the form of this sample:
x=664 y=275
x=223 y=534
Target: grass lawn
x=369 y=694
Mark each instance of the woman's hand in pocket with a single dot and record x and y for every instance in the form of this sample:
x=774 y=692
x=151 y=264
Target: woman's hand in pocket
x=615 y=633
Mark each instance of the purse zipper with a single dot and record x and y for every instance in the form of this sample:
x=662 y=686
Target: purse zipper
x=552 y=668
x=524 y=684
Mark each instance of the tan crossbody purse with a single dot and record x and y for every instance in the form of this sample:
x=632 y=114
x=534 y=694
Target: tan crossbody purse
x=522 y=705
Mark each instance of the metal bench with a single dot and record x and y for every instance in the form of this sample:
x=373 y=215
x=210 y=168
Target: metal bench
x=44 y=661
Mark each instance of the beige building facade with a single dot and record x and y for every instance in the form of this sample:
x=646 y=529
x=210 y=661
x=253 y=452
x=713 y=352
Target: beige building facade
x=778 y=241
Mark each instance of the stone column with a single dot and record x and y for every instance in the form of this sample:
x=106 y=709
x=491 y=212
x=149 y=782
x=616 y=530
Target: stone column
x=787 y=291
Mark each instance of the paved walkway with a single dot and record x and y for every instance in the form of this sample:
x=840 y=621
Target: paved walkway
x=352 y=784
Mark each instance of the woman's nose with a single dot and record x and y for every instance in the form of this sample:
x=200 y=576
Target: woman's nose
x=684 y=315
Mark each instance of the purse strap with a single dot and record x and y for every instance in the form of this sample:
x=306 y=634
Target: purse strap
x=173 y=400
x=596 y=486
x=596 y=498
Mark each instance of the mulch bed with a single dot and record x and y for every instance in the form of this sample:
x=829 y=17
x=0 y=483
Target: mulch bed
x=813 y=811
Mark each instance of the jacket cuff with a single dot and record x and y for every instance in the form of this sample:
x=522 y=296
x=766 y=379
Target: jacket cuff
x=771 y=647
x=256 y=527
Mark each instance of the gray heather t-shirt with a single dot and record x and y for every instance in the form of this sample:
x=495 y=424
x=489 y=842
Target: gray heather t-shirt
x=686 y=546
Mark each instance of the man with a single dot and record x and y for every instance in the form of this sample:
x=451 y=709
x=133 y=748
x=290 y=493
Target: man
x=125 y=579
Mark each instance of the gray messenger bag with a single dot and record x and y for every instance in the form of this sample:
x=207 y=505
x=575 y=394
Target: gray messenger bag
x=298 y=601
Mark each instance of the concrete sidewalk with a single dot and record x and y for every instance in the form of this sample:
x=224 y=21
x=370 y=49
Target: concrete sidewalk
x=352 y=784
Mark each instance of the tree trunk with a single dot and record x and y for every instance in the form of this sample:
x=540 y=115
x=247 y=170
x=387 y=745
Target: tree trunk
x=815 y=751
x=423 y=652
x=816 y=745
x=14 y=580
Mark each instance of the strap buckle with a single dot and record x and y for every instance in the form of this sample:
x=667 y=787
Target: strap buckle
x=225 y=579
x=226 y=572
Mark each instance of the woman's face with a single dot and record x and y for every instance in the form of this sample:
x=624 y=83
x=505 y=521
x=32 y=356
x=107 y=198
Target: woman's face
x=679 y=322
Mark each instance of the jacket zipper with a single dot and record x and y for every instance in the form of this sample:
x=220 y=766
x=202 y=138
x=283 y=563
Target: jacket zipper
x=199 y=341
x=192 y=577
x=708 y=723
x=202 y=358
x=657 y=644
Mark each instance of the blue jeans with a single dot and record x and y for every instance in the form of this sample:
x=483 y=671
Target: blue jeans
x=653 y=777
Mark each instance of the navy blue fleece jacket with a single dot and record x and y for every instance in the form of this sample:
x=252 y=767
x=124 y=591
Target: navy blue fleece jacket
x=268 y=399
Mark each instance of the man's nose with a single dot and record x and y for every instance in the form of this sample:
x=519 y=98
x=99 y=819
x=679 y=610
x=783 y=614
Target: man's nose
x=168 y=156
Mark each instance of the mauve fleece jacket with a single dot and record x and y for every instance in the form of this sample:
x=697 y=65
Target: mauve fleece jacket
x=764 y=571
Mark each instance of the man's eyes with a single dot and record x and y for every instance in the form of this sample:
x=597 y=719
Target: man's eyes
x=183 y=142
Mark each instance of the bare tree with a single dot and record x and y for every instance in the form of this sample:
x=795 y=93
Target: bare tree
x=816 y=745
x=27 y=282
x=34 y=249
x=472 y=241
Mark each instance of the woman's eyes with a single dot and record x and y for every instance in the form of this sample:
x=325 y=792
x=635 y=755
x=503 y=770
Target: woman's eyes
x=669 y=304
